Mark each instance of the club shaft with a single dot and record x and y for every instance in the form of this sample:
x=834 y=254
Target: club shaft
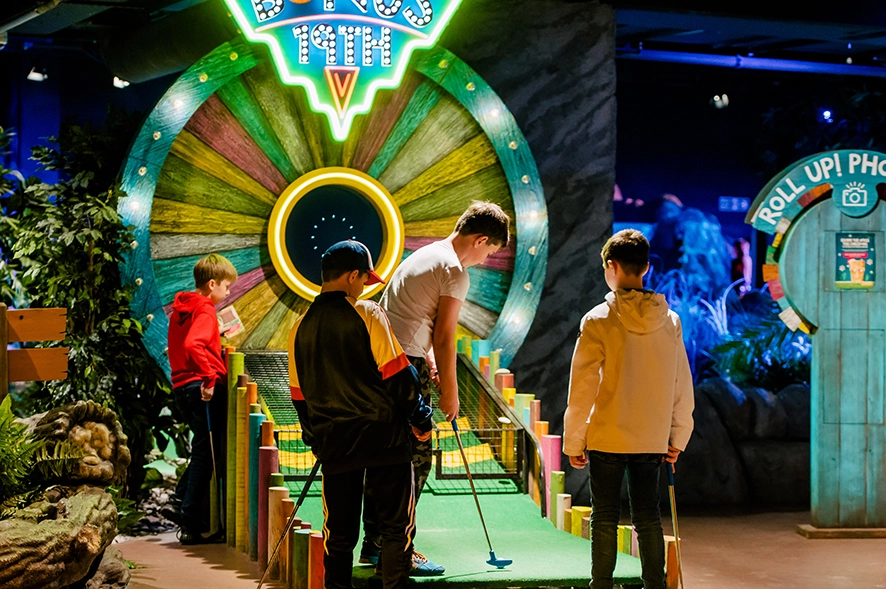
x=464 y=460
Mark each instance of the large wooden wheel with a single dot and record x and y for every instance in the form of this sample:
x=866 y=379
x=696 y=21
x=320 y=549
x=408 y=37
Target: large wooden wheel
x=228 y=139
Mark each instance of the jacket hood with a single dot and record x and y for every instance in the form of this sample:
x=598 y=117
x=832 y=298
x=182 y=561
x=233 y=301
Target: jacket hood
x=186 y=303
x=640 y=311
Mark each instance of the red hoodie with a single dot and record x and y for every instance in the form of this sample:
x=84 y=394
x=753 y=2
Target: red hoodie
x=194 y=342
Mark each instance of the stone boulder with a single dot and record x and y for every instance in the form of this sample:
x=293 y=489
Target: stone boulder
x=53 y=542
x=731 y=404
x=768 y=418
x=112 y=573
x=777 y=471
x=795 y=401
x=710 y=471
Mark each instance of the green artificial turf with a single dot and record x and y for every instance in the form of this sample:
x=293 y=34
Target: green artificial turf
x=450 y=534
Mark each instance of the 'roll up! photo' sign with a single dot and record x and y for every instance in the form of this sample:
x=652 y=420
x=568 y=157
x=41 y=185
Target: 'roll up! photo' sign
x=342 y=51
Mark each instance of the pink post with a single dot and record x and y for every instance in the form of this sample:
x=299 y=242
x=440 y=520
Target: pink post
x=504 y=380
x=550 y=449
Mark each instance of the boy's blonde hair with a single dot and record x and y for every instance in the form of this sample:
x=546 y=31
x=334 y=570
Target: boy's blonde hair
x=630 y=249
x=485 y=218
x=213 y=267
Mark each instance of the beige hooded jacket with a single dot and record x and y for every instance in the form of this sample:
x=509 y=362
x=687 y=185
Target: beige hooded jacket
x=630 y=388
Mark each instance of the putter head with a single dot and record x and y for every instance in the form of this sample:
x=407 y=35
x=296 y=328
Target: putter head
x=498 y=563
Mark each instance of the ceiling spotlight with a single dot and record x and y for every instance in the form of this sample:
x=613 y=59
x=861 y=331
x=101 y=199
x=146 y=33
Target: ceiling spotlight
x=827 y=116
x=720 y=101
x=37 y=74
x=849 y=60
x=118 y=83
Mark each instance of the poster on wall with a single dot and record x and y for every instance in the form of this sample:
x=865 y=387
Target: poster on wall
x=855 y=261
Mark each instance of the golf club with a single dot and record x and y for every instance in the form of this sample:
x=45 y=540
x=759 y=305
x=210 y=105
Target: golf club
x=221 y=502
x=496 y=562
x=670 y=468
x=301 y=499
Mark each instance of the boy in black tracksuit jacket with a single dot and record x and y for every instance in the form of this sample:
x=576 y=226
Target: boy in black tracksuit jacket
x=356 y=395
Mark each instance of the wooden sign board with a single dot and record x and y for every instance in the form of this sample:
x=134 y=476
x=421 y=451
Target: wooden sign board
x=30 y=364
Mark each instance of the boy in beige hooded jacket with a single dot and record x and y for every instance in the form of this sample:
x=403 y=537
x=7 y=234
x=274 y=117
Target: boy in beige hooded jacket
x=630 y=406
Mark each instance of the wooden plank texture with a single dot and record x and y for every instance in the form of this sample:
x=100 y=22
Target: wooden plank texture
x=447 y=127
x=36 y=325
x=452 y=200
x=381 y=120
x=477 y=319
x=175 y=245
x=177 y=274
x=168 y=216
x=422 y=102
x=183 y=182
x=197 y=153
x=475 y=155
x=489 y=288
x=264 y=331
x=278 y=104
x=312 y=126
x=31 y=364
x=216 y=126
x=280 y=339
x=247 y=111
x=255 y=304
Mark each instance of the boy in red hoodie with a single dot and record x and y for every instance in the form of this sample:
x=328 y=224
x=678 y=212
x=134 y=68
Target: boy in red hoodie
x=198 y=377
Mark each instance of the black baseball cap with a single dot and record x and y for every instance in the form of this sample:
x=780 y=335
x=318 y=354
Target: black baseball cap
x=350 y=255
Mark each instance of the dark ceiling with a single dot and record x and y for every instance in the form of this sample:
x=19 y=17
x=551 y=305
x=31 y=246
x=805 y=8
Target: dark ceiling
x=820 y=31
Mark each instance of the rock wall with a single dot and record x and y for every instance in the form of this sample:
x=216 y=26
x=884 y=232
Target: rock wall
x=749 y=446
x=553 y=64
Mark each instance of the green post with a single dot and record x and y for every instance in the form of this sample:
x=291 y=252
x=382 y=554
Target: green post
x=235 y=369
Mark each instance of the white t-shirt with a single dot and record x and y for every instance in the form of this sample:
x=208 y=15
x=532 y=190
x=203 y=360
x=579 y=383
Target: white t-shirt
x=412 y=296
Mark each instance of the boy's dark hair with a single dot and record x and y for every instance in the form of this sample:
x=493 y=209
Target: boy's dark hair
x=630 y=249
x=485 y=218
x=335 y=273
x=213 y=267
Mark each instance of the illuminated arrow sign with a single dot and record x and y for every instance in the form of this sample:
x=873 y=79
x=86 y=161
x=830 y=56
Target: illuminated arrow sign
x=342 y=51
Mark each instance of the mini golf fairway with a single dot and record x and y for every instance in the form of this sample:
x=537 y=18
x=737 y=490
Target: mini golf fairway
x=450 y=534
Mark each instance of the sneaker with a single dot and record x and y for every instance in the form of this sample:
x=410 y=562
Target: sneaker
x=422 y=567
x=369 y=552
x=172 y=512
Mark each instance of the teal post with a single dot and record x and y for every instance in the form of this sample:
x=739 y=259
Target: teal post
x=255 y=420
x=826 y=271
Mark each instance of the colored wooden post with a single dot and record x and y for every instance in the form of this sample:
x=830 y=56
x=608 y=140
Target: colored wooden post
x=579 y=512
x=30 y=364
x=541 y=429
x=241 y=474
x=316 y=569
x=494 y=363
x=277 y=493
x=253 y=438
x=586 y=528
x=509 y=393
x=251 y=393
x=483 y=366
x=567 y=520
x=233 y=480
x=550 y=448
x=300 y=562
x=672 y=568
x=534 y=413
x=625 y=538
x=564 y=502
x=503 y=380
x=268 y=463
x=558 y=480
x=287 y=506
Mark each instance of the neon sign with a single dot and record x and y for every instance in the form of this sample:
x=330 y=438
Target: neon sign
x=342 y=51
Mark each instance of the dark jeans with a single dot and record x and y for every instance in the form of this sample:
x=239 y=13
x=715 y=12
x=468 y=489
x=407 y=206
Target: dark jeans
x=607 y=472
x=392 y=488
x=193 y=486
x=422 y=453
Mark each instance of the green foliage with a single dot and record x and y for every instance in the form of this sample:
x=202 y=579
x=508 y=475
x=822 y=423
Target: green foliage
x=17 y=451
x=56 y=464
x=127 y=513
x=61 y=246
x=760 y=351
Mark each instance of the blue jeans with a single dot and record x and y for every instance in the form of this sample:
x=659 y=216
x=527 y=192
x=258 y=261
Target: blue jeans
x=607 y=472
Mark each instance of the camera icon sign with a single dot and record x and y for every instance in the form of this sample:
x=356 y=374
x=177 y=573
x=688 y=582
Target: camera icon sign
x=855 y=195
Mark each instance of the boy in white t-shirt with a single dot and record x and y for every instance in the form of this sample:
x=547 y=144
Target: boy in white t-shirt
x=422 y=300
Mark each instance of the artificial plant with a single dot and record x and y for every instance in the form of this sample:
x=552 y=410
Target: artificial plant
x=62 y=244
